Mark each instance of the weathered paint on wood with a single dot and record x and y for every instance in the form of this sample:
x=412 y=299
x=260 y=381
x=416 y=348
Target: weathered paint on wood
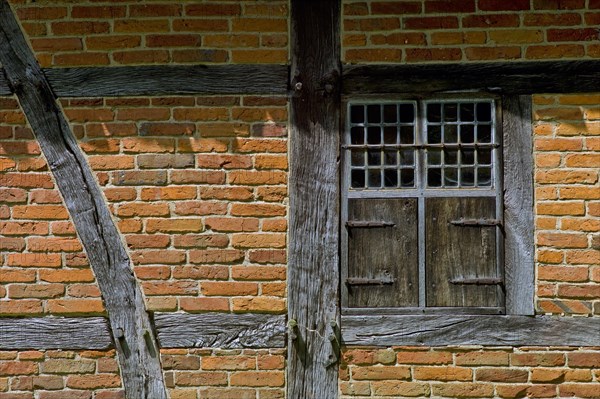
x=67 y=333
x=456 y=253
x=518 y=204
x=159 y=80
x=377 y=253
x=496 y=77
x=220 y=330
x=313 y=275
x=135 y=342
x=442 y=330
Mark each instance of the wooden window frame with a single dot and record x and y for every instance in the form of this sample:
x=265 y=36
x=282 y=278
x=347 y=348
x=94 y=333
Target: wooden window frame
x=407 y=326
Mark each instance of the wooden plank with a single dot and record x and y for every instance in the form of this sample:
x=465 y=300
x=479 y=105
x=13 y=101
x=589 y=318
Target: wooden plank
x=470 y=330
x=313 y=275
x=159 y=80
x=220 y=330
x=5 y=89
x=518 y=204
x=498 y=77
x=459 y=253
x=39 y=333
x=388 y=251
x=135 y=342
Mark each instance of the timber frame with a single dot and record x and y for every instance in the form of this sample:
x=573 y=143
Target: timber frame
x=315 y=82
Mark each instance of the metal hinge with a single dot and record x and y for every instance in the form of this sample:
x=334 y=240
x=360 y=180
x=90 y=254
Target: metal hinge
x=368 y=223
x=384 y=279
x=476 y=222
x=476 y=281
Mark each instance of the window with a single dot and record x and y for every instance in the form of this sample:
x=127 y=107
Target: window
x=422 y=209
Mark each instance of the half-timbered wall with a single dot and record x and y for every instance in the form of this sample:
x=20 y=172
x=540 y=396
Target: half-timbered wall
x=198 y=188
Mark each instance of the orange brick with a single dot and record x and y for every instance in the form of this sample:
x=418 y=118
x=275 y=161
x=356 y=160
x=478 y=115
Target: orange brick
x=424 y=357
x=227 y=193
x=258 y=273
x=20 y=307
x=579 y=291
x=400 y=388
x=39 y=212
x=204 y=304
x=258 y=240
x=580 y=390
x=94 y=381
x=574 y=208
x=232 y=224
x=229 y=363
x=67 y=276
x=562 y=240
x=228 y=288
x=537 y=359
x=68 y=366
x=381 y=373
x=18 y=368
x=137 y=209
x=153 y=288
x=482 y=358
x=142 y=145
x=17 y=276
x=167 y=257
x=259 y=304
x=562 y=273
x=443 y=373
x=463 y=390
x=215 y=161
x=34 y=260
x=200 y=208
x=75 y=306
x=39 y=244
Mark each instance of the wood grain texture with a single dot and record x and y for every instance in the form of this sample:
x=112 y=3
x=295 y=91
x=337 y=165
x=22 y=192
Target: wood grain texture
x=135 y=342
x=497 y=77
x=39 y=333
x=384 y=251
x=313 y=260
x=220 y=330
x=444 y=330
x=458 y=253
x=518 y=205
x=159 y=80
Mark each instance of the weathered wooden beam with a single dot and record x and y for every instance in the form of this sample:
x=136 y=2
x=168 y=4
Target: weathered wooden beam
x=519 y=250
x=135 y=342
x=313 y=276
x=158 y=80
x=220 y=330
x=442 y=330
x=497 y=77
x=68 y=333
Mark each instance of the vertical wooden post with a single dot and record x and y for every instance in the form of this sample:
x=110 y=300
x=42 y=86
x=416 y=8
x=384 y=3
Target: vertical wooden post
x=313 y=278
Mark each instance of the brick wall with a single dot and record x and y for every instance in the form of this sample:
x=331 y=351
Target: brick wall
x=198 y=189
x=469 y=30
x=68 y=33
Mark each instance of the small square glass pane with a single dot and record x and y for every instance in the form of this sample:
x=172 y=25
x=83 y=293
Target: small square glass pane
x=407 y=177
x=407 y=134
x=407 y=113
x=390 y=113
x=357 y=158
x=374 y=158
x=484 y=157
x=484 y=133
x=467 y=156
x=434 y=113
x=484 y=177
x=374 y=113
x=357 y=135
x=434 y=134
x=407 y=157
x=391 y=157
x=450 y=112
x=450 y=133
x=357 y=114
x=451 y=157
x=390 y=135
x=450 y=177
x=390 y=177
x=357 y=177
x=434 y=157
x=374 y=135
x=467 y=177
x=467 y=112
x=467 y=133
x=434 y=177
x=374 y=176
x=484 y=112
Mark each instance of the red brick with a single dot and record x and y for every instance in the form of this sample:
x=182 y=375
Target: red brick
x=228 y=288
x=558 y=4
x=571 y=35
x=502 y=5
x=463 y=390
x=580 y=390
x=395 y=7
x=490 y=21
x=216 y=256
x=258 y=378
x=204 y=304
x=94 y=381
x=537 y=359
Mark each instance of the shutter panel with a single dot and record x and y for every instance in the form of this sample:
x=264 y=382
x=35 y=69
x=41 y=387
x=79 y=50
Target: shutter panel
x=385 y=253
x=461 y=260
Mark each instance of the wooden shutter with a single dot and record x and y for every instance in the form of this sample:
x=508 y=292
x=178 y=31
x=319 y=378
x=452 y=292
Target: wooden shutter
x=387 y=253
x=461 y=256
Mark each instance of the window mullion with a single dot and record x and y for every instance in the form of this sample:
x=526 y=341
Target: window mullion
x=420 y=185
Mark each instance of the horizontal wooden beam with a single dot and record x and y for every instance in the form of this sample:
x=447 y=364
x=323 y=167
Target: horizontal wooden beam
x=220 y=330
x=158 y=80
x=498 y=77
x=174 y=330
x=442 y=330
x=55 y=333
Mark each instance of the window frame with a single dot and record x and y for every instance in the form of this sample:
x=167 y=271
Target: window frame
x=514 y=167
